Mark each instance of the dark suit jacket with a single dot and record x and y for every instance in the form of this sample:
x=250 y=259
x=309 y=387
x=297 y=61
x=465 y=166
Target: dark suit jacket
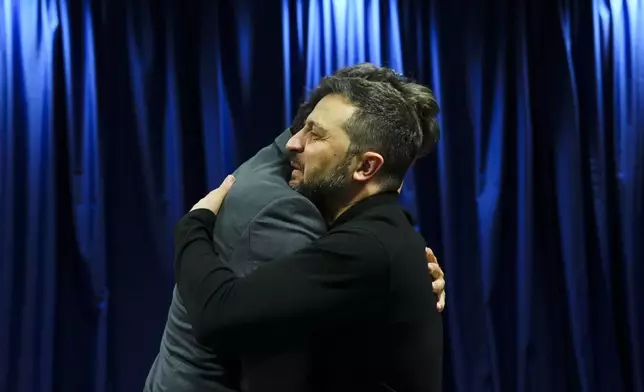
x=260 y=220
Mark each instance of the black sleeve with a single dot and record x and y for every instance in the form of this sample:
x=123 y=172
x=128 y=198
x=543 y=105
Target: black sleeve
x=337 y=279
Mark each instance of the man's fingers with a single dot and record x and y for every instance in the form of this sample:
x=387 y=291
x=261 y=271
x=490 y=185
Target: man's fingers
x=221 y=192
x=212 y=201
x=435 y=270
x=429 y=254
x=438 y=286
x=226 y=184
x=440 y=306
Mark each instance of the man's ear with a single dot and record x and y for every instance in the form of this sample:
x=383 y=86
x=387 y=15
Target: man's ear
x=368 y=167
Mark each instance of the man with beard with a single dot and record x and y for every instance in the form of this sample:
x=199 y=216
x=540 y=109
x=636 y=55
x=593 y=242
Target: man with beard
x=262 y=219
x=354 y=305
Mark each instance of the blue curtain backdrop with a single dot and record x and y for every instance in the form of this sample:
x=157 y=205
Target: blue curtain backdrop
x=115 y=117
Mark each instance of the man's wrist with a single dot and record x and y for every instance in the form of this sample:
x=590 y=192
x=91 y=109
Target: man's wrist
x=202 y=214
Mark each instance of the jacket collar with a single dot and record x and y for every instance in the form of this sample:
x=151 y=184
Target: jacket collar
x=280 y=142
x=364 y=205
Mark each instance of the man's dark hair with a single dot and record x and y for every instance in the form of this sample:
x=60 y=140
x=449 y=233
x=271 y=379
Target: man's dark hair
x=385 y=121
x=418 y=96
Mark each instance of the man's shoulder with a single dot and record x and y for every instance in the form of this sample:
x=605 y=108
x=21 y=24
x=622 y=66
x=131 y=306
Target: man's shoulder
x=356 y=239
x=250 y=199
x=273 y=204
x=263 y=223
x=385 y=230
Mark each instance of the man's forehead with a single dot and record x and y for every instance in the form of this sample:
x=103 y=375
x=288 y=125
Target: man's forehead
x=331 y=112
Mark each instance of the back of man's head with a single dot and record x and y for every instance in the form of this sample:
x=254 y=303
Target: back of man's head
x=418 y=96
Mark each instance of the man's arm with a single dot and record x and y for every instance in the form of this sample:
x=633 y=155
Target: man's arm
x=334 y=280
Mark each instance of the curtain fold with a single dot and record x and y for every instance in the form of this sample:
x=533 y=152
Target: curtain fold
x=28 y=295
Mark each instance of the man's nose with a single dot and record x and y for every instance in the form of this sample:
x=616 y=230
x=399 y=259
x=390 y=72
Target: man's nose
x=295 y=143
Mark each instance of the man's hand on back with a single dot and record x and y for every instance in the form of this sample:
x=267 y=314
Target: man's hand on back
x=438 y=277
x=212 y=201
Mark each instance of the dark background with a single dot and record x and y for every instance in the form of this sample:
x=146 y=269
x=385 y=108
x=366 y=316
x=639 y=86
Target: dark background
x=116 y=117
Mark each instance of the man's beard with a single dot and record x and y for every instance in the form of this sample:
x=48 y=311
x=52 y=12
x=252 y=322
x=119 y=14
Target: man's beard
x=328 y=189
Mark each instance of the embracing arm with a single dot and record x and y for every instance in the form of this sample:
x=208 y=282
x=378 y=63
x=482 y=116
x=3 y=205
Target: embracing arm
x=323 y=284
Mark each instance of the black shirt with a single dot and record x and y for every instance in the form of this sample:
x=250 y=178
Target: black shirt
x=359 y=299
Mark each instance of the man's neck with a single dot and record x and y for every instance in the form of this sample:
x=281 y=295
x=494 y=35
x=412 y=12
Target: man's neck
x=341 y=206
